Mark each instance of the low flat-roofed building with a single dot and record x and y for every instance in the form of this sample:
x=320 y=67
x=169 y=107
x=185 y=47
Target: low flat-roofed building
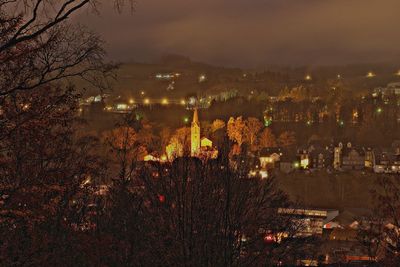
x=311 y=221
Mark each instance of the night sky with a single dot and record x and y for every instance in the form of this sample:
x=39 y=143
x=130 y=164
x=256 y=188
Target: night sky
x=253 y=33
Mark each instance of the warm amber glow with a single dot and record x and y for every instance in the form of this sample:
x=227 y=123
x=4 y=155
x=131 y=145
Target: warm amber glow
x=371 y=74
x=164 y=101
x=147 y=101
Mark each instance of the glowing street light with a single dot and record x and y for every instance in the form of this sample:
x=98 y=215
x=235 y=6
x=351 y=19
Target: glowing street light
x=131 y=101
x=146 y=101
x=379 y=110
x=186 y=119
x=142 y=92
x=183 y=102
x=308 y=77
x=398 y=73
x=164 y=101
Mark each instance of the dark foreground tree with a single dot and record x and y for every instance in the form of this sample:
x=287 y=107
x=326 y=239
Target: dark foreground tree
x=44 y=166
x=379 y=232
x=208 y=214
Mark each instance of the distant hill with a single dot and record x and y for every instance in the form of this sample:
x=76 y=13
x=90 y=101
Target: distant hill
x=133 y=78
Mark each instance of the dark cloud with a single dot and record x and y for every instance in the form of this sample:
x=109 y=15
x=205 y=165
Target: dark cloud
x=253 y=32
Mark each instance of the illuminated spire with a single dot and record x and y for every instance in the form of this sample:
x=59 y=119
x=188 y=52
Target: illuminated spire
x=195 y=117
x=195 y=135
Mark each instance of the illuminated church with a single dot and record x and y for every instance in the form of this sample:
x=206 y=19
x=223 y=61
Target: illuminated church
x=200 y=147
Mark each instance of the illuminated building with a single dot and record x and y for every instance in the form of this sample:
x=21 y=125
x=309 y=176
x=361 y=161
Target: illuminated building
x=390 y=89
x=173 y=151
x=337 y=156
x=205 y=142
x=312 y=221
x=348 y=157
x=199 y=147
x=269 y=156
x=150 y=158
x=195 y=135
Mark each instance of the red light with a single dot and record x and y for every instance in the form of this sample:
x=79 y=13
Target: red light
x=161 y=198
x=269 y=238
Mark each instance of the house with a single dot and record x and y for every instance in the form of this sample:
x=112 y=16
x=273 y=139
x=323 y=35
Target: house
x=320 y=157
x=369 y=158
x=304 y=158
x=269 y=156
x=348 y=157
x=353 y=159
x=386 y=161
x=315 y=156
x=288 y=163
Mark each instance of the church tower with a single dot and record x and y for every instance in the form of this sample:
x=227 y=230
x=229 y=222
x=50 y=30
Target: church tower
x=195 y=135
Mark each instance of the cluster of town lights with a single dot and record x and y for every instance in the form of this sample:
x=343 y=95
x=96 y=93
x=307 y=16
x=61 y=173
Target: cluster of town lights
x=370 y=74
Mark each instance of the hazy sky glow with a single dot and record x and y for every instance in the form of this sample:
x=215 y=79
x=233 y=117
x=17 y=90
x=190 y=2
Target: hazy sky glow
x=253 y=32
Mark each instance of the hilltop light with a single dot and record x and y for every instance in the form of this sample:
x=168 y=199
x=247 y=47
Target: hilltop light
x=147 y=101
x=371 y=74
x=202 y=78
